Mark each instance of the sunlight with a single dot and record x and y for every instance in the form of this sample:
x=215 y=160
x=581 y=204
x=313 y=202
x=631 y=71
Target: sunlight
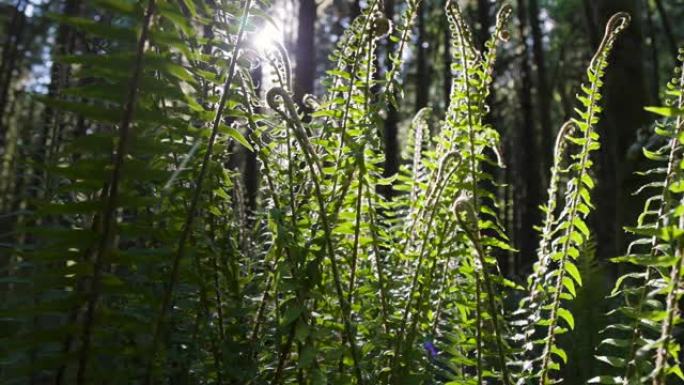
x=269 y=35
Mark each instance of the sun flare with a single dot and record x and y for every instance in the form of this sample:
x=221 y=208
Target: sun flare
x=265 y=38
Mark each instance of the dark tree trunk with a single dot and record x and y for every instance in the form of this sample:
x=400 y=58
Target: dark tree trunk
x=422 y=79
x=305 y=68
x=391 y=166
x=543 y=92
x=528 y=189
x=591 y=23
x=10 y=53
x=59 y=75
x=667 y=27
x=484 y=20
x=655 y=61
x=624 y=115
x=446 y=85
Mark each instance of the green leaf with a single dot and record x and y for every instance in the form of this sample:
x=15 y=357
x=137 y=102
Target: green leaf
x=567 y=316
x=560 y=353
x=667 y=112
x=571 y=269
x=236 y=135
x=612 y=361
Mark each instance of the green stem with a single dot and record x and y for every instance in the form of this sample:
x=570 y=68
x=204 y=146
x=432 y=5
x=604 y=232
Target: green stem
x=112 y=197
x=315 y=168
x=189 y=219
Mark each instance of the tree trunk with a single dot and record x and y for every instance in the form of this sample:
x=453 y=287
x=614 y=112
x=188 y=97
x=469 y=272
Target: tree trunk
x=422 y=79
x=591 y=23
x=655 y=61
x=528 y=189
x=624 y=115
x=391 y=166
x=667 y=26
x=484 y=21
x=305 y=68
x=59 y=75
x=446 y=85
x=10 y=51
x=546 y=132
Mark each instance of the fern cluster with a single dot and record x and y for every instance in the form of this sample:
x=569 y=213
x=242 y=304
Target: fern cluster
x=640 y=346
x=140 y=261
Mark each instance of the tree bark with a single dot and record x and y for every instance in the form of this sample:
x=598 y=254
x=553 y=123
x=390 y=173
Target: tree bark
x=305 y=68
x=655 y=61
x=528 y=189
x=543 y=93
x=59 y=75
x=422 y=79
x=484 y=20
x=591 y=23
x=667 y=27
x=624 y=115
x=10 y=51
x=391 y=165
x=446 y=58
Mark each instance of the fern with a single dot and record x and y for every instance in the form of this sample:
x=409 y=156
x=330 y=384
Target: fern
x=566 y=233
x=141 y=258
x=643 y=337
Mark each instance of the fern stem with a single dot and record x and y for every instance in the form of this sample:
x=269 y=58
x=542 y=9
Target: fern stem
x=664 y=208
x=204 y=310
x=357 y=233
x=418 y=123
x=551 y=204
x=478 y=319
x=675 y=275
x=462 y=35
x=347 y=106
x=258 y=319
x=112 y=196
x=190 y=217
x=545 y=244
x=384 y=296
x=409 y=15
x=671 y=311
x=314 y=168
x=425 y=287
x=475 y=237
x=421 y=256
x=553 y=317
x=614 y=26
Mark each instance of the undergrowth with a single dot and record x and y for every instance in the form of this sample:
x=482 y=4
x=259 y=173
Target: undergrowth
x=135 y=257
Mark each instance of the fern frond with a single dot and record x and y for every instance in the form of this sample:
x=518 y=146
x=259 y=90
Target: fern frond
x=566 y=233
x=641 y=332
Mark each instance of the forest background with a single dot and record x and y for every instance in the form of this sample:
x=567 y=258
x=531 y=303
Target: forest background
x=539 y=71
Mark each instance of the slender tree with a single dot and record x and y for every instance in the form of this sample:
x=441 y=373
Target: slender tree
x=526 y=172
x=667 y=27
x=484 y=20
x=653 y=45
x=10 y=56
x=422 y=76
x=543 y=92
x=615 y=171
x=446 y=59
x=391 y=130
x=305 y=53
